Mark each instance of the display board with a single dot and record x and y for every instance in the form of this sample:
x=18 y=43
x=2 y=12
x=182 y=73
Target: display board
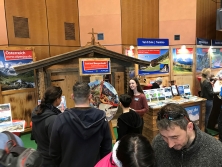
x=182 y=60
x=9 y=79
x=157 y=52
x=104 y=97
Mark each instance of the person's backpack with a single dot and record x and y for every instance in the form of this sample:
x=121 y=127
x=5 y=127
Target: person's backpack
x=16 y=156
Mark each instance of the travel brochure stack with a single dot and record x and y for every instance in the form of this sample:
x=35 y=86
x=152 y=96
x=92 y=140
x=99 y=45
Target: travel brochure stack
x=161 y=96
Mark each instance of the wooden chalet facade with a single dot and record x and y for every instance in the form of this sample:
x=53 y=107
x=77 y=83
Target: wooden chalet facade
x=63 y=70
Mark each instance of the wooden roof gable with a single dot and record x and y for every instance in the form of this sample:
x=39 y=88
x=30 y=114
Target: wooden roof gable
x=75 y=54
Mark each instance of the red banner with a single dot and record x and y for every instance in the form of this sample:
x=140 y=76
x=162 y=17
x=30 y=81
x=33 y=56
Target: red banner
x=17 y=55
x=93 y=64
x=149 y=51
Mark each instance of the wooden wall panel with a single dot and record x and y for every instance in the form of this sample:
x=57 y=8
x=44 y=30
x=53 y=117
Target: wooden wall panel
x=59 y=12
x=22 y=103
x=3 y=30
x=35 y=11
x=206 y=19
x=150 y=18
x=218 y=33
x=67 y=81
x=140 y=19
x=56 y=50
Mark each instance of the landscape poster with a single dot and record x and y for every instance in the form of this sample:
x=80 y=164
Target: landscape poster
x=202 y=59
x=182 y=60
x=5 y=114
x=216 y=58
x=159 y=60
x=9 y=79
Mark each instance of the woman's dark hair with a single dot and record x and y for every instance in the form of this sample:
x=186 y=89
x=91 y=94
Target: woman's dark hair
x=139 y=89
x=50 y=95
x=134 y=150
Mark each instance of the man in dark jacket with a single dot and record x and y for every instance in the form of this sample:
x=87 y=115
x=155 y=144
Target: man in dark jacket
x=157 y=83
x=181 y=143
x=81 y=135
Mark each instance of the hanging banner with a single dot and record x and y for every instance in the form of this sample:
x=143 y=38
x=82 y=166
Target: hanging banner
x=157 y=52
x=182 y=60
x=8 y=77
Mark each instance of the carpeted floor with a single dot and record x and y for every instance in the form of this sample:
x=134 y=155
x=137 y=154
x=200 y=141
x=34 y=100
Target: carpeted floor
x=31 y=143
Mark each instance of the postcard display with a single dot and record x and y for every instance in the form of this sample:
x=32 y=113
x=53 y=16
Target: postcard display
x=6 y=123
x=157 y=52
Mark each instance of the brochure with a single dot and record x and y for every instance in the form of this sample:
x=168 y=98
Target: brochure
x=17 y=126
x=5 y=114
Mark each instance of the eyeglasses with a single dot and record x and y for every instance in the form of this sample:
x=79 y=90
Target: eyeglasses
x=171 y=116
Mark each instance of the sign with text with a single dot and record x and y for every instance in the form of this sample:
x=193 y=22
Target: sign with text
x=204 y=42
x=216 y=43
x=10 y=58
x=94 y=66
x=152 y=42
x=17 y=55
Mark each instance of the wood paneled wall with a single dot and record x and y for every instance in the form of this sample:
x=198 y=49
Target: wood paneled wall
x=140 y=19
x=46 y=25
x=206 y=20
x=22 y=103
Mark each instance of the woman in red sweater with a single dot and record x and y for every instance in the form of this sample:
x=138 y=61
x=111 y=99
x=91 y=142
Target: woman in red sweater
x=139 y=103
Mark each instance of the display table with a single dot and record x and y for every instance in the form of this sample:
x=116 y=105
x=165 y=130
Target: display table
x=150 y=129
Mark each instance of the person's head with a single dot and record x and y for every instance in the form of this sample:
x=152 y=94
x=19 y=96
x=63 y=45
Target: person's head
x=175 y=126
x=125 y=100
x=159 y=81
x=134 y=85
x=206 y=73
x=134 y=150
x=81 y=93
x=52 y=96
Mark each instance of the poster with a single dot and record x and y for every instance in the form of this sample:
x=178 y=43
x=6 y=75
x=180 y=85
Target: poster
x=156 y=51
x=104 y=97
x=161 y=94
x=216 y=57
x=202 y=59
x=8 y=77
x=194 y=113
x=147 y=94
x=17 y=126
x=182 y=60
x=5 y=114
x=184 y=90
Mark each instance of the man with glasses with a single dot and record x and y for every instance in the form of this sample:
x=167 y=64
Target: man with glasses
x=181 y=143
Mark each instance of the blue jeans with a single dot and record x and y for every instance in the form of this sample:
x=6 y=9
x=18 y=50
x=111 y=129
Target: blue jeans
x=209 y=106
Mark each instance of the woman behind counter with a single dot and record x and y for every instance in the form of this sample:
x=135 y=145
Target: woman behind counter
x=207 y=92
x=43 y=117
x=139 y=102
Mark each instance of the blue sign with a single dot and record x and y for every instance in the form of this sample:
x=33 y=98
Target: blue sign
x=216 y=43
x=152 y=42
x=193 y=112
x=204 y=42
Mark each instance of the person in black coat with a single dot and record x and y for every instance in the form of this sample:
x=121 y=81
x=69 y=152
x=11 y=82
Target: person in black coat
x=80 y=135
x=157 y=83
x=129 y=121
x=43 y=117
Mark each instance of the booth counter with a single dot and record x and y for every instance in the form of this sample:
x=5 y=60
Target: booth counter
x=195 y=108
